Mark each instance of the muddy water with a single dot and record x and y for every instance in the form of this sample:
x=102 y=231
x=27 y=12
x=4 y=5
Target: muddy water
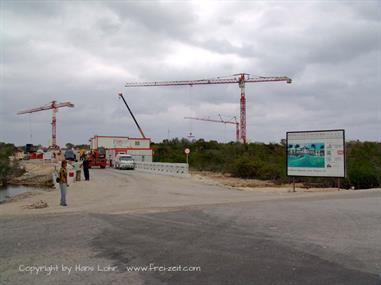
x=10 y=191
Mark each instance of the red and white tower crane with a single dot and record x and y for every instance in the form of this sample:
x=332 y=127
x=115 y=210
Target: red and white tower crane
x=50 y=106
x=235 y=122
x=241 y=79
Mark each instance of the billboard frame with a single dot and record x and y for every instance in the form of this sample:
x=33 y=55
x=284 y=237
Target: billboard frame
x=317 y=131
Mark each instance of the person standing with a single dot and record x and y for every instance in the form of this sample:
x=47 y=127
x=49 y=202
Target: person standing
x=110 y=159
x=77 y=169
x=86 y=165
x=63 y=182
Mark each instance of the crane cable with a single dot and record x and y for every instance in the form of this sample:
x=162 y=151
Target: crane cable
x=190 y=136
x=30 y=128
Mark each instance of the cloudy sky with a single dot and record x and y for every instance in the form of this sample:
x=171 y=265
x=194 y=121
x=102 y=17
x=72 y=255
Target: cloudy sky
x=85 y=52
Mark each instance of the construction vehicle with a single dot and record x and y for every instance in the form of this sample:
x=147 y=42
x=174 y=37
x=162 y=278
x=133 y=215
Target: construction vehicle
x=69 y=155
x=31 y=152
x=82 y=152
x=132 y=115
x=97 y=157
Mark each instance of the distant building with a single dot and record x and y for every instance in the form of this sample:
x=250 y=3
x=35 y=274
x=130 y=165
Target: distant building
x=139 y=148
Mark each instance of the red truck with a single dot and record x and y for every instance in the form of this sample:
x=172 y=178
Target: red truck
x=97 y=157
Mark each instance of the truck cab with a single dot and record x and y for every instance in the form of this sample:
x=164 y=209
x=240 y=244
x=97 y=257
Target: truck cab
x=97 y=157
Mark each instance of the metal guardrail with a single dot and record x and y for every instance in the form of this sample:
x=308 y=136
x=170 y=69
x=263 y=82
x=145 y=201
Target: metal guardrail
x=175 y=169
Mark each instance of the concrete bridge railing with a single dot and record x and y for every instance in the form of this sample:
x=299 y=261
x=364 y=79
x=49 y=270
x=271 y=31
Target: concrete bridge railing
x=175 y=169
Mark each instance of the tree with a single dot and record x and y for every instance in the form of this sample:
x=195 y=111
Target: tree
x=6 y=150
x=69 y=145
x=313 y=146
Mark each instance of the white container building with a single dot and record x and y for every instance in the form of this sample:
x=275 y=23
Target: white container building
x=139 y=148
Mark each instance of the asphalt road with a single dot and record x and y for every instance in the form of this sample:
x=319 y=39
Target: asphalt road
x=330 y=238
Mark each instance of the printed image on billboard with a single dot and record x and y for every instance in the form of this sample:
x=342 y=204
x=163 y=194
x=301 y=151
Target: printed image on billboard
x=306 y=155
x=319 y=153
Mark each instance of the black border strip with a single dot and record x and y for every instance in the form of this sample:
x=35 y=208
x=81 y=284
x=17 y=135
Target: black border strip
x=317 y=131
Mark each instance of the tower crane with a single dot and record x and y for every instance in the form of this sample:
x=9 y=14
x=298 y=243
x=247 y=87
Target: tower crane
x=50 y=106
x=235 y=122
x=241 y=79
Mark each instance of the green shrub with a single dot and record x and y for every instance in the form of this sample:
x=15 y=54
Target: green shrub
x=246 y=168
x=6 y=169
x=268 y=161
x=363 y=176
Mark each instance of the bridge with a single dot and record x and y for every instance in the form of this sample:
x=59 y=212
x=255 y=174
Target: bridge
x=132 y=227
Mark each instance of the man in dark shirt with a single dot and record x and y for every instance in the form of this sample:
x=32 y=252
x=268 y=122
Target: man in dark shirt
x=85 y=166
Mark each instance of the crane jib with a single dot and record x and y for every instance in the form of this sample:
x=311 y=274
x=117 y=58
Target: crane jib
x=207 y=81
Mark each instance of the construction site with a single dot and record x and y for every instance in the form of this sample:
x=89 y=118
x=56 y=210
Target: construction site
x=173 y=186
x=140 y=147
x=132 y=152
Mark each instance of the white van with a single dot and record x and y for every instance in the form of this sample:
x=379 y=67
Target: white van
x=124 y=161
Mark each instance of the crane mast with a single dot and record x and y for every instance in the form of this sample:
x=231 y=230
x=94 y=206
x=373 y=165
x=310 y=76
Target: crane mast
x=242 y=108
x=241 y=79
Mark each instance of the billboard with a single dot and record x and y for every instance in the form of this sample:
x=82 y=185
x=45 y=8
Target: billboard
x=316 y=153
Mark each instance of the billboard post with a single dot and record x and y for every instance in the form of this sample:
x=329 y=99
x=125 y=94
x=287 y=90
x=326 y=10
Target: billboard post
x=316 y=154
x=293 y=184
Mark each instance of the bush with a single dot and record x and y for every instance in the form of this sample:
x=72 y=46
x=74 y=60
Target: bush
x=364 y=165
x=270 y=172
x=6 y=169
x=363 y=177
x=246 y=168
x=268 y=161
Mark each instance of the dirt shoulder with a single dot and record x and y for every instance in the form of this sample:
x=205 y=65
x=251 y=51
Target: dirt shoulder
x=37 y=173
x=213 y=178
x=113 y=191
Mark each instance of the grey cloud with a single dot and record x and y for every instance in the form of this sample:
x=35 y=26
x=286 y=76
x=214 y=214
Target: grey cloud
x=172 y=18
x=339 y=46
x=85 y=53
x=368 y=10
x=35 y=8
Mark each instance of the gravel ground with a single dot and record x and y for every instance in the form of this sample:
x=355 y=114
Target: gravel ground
x=37 y=173
x=119 y=191
x=125 y=218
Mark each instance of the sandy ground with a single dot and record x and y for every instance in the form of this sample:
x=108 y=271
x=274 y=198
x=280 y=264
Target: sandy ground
x=37 y=173
x=252 y=184
x=259 y=236
x=118 y=191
